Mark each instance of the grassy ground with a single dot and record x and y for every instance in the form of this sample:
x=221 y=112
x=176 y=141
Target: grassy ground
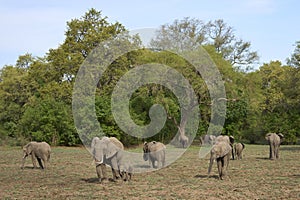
x=71 y=175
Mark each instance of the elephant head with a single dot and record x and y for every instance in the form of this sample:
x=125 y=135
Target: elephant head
x=105 y=148
x=146 y=151
x=27 y=149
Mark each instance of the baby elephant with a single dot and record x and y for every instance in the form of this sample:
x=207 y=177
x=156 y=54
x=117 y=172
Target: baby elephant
x=126 y=171
x=155 y=151
x=39 y=151
x=238 y=150
x=220 y=152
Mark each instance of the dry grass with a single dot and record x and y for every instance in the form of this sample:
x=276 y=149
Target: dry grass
x=72 y=176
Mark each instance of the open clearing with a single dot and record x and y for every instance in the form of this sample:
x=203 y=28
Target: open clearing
x=71 y=175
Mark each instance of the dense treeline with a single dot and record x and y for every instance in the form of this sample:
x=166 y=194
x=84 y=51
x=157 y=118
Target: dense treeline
x=36 y=93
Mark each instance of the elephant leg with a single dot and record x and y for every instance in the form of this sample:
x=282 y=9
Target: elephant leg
x=153 y=163
x=151 y=158
x=272 y=151
x=115 y=168
x=219 y=164
x=40 y=162
x=101 y=172
x=163 y=159
x=276 y=151
x=45 y=160
x=225 y=165
x=33 y=158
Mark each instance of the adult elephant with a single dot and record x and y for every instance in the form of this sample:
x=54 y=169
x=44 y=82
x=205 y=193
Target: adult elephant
x=39 y=151
x=274 y=143
x=107 y=151
x=207 y=139
x=155 y=151
x=221 y=153
x=238 y=150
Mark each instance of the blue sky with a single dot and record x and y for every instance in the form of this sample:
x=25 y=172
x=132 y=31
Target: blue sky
x=35 y=26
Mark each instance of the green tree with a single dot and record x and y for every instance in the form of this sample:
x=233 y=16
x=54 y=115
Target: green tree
x=82 y=36
x=294 y=61
x=49 y=120
x=216 y=33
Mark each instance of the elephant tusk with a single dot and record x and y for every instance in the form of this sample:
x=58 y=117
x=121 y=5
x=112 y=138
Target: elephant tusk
x=98 y=162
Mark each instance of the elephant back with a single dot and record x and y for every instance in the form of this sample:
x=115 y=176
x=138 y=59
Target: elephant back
x=221 y=149
x=273 y=137
x=156 y=146
x=117 y=143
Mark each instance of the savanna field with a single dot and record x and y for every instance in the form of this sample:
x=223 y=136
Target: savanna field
x=71 y=175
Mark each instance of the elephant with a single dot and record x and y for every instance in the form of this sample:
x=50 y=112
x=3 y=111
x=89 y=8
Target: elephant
x=155 y=151
x=107 y=151
x=39 y=151
x=238 y=150
x=274 y=142
x=229 y=140
x=184 y=140
x=207 y=139
x=126 y=170
x=220 y=152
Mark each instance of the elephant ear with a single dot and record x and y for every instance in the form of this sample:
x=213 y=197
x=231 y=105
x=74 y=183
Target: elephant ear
x=280 y=135
x=28 y=148
x=231 y=139
x=111 y=150
x=94 y=142
x=268 y=136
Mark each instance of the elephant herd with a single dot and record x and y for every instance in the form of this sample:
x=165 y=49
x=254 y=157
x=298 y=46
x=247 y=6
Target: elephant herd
x=110 y=151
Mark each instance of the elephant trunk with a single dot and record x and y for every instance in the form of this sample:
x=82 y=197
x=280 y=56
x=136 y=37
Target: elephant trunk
x=146 y=156
x=98 y=162
x=23 y=161
x=210 y=164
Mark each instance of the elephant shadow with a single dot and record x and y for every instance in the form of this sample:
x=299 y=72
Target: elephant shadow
x=94 y=180
x=90 y=180
x=30 y=167
x=206 y=176
x=262 y=158
x=142 y=166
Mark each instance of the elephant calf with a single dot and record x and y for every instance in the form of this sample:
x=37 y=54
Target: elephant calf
x=238 y=150
x=220 y=152
x=39 y=151
x=274 y=142
x=126 y=170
